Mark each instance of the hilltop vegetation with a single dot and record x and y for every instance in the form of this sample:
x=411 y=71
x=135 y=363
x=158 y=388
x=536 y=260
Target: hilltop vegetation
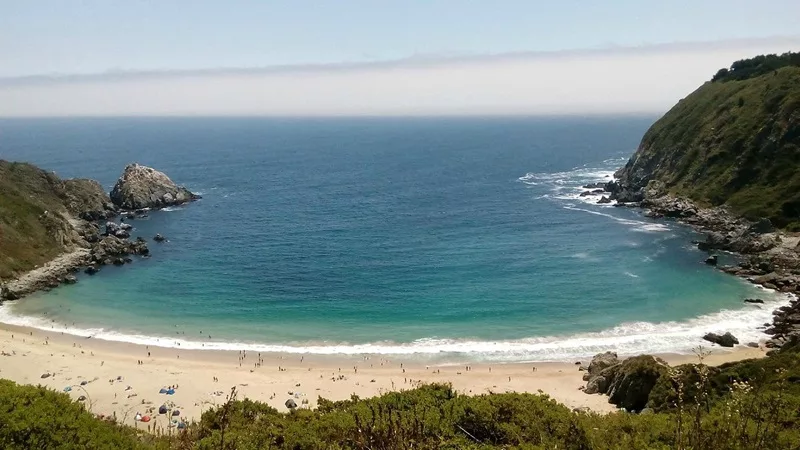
x=753 y=67
x=734 y=141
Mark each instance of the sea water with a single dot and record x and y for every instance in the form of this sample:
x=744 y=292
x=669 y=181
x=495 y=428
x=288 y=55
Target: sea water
x=459 y=238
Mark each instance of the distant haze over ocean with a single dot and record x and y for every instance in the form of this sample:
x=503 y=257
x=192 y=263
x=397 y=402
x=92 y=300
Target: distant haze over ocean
x=445 y=238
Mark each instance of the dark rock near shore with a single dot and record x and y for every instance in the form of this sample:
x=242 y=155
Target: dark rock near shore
x=599 y=185
x=159 y=238
x=604 y=200
x=753 y=300
x=627 y=383
x=712 y=260
x=144 y=187
x=725 y=340
x=91 y=270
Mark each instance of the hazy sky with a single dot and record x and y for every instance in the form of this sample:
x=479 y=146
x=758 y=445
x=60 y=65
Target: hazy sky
x=371 y=57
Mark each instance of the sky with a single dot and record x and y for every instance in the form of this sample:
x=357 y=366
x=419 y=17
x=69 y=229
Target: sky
x=359 y=57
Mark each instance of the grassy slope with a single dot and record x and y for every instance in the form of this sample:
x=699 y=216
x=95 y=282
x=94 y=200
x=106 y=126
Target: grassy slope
x=734 y=143
x=28 y=236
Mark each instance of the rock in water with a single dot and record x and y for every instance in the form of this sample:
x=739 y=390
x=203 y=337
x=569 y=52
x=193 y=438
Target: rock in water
x=712 y=260
x=726 y=340
x=144 y=187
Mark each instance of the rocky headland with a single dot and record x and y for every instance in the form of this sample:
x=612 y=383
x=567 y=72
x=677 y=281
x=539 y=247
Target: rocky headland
x=142 y=187
x=50 y=229
x=726 y=161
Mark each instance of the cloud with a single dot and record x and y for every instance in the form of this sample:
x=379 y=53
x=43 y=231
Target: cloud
x=610 y=80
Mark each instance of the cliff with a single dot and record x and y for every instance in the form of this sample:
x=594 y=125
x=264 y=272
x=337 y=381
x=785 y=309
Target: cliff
x=37 y=214
x=734 y=142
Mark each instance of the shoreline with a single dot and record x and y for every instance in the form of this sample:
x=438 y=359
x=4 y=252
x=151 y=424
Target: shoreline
x=268 y=377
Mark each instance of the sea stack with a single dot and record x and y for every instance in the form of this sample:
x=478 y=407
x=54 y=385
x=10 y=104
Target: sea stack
x=142 y=187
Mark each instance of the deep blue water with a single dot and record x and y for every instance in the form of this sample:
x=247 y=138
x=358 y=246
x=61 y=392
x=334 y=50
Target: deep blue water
x=463 y=237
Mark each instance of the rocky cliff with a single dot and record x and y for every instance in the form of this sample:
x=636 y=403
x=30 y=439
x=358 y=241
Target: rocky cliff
x=144 y=187
x=37 y=210
x=734 y=142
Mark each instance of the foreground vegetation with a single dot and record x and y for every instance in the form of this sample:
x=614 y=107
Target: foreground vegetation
x=752 y=404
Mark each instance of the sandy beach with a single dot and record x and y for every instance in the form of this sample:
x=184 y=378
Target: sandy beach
x=121 y=379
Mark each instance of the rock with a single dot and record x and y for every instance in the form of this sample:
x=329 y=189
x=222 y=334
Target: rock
x=597 y=385
x=770 y=286
x=604 y=200
x=291 y=404
x=91 y=270
x=598 y=185
x=122 y=234
x=70 y=279
x=752 y=344
x=118 y=261
x=125 y=226
x=712 y=260
x=602 y=361
x=771 y=277
x=726 y=340
x=130 y=215
x=753 y=300
x=630 y=383
x=763 y=226
x=159 y=238
x=144 y=187
x=111 y=228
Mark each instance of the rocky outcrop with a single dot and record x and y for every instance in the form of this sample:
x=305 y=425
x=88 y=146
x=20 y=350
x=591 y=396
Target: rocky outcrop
x=144 y=187
x=724 y=340
x=785 y=325
x=59 y=270
x=627 y=383
x=87 y=200
x=113 y=250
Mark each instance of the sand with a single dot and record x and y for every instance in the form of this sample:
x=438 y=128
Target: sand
x=121 y=380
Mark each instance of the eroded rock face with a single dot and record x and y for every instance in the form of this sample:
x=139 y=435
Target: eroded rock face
x=144 y=187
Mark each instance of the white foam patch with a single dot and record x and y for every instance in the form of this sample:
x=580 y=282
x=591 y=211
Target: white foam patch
x=171 y=208
x=636 y=225
x=626 y=339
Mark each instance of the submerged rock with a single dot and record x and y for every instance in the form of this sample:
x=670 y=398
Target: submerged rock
x=142 y=187
x=712 y=260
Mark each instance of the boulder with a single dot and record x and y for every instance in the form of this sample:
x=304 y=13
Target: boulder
x=125 y=226
x=712 y=260
x=291 y=404
x=763 y=226
x=122 y=234
x=725 y=340
x=112 y=228
x=596 y=385
x=630 y=383
x=91 y=270
x=142 y=187
x=159 y=238
x=754 y=300
x=602 y=361
x=70 y=279
x=604 y=200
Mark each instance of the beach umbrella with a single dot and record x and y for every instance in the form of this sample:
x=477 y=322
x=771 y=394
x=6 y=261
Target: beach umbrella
x=291 y=404
x=162 y=391
x=45 y=375
x=145 y=418
x=176 y=413
x=68 y=388
x=138 y=417
x=181 y=425
x=162 y=409
x=84 y=383
x=170 y=391
x=81 y=398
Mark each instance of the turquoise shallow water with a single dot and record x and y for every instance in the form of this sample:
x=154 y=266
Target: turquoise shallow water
x=460 y=238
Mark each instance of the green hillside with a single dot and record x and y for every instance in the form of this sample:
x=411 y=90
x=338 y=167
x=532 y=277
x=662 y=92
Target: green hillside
x=733 y=141
x=35 y=209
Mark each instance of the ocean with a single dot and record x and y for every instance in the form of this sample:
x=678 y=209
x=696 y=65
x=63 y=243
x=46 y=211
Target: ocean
x=444 y=239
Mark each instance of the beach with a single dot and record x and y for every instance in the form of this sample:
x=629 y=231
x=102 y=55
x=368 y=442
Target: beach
x=121 y=380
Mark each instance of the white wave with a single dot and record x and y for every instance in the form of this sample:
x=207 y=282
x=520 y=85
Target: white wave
x=171 y=208
x=632 y=275
x=636 y=225
x=626 y=339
